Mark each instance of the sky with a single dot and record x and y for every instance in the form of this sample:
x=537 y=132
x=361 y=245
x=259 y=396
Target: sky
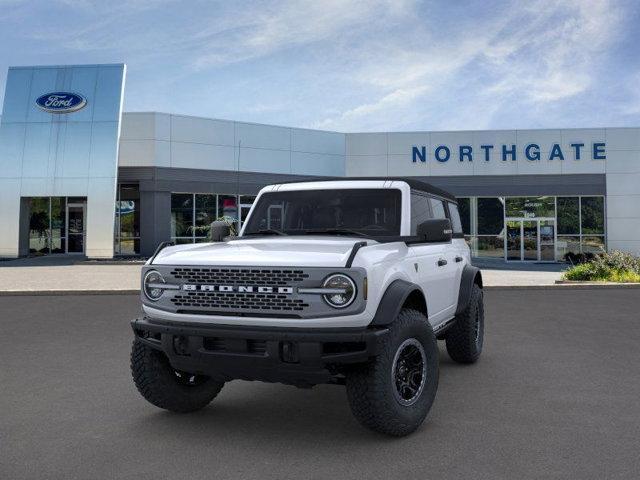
x=351 y=65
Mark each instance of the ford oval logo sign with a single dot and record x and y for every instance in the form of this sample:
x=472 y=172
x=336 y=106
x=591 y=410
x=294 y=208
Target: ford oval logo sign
x=61 y=102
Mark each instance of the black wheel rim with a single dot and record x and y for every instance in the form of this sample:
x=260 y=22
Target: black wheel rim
x=409 y=372
x=189 y=379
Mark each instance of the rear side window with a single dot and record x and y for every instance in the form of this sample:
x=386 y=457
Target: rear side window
x=437 y=208
x=420 y=211
x=454 y=214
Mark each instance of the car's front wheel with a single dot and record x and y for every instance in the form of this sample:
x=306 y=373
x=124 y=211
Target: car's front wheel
x=394 y=392
x=164 y=386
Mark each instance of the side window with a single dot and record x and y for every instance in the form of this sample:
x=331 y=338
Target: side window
x=420 y=211
x=437 y=208
x=456 y=223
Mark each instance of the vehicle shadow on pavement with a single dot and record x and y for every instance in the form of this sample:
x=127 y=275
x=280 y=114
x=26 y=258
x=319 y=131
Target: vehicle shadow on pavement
x=266 y=411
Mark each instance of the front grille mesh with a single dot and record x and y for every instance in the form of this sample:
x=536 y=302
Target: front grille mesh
x=238 y=301
x=237 y=276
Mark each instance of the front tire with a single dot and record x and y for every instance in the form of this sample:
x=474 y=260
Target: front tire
x=394 y=392
x=465 y=338
x=165 y=387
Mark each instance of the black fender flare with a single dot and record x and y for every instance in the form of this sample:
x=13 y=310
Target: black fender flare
x=470 y=275
x=392 y=301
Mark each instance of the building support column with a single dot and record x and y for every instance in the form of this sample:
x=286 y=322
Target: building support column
x=155 y=220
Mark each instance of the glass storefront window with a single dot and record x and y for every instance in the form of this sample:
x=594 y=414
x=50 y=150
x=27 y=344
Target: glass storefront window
x=567 y=244
x=579 y=223
x=568 y=216
x=48 y=229
x=490 y=246
x=530 y=207
x=193 y=213
x=593 y=244
x=127 y=227
x=490 y=216
x=464 y=208
x=129 y=210
x=205 y=214
x=39 y=225
x=592 y=213
x=228 y=207
x=58 y=217
x=182 y=241
x=128 y=246
x=181 y=215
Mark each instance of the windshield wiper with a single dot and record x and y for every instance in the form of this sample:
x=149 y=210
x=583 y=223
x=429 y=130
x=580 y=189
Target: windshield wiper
x=337 y=231
x=265 y=231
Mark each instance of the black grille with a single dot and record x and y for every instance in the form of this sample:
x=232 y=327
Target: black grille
x=238 y=301
x=239 y=276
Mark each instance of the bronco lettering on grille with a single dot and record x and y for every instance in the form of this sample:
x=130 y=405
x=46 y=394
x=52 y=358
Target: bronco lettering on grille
x=237 y=289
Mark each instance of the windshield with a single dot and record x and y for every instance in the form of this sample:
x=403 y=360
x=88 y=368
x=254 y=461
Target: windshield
x=360 y=212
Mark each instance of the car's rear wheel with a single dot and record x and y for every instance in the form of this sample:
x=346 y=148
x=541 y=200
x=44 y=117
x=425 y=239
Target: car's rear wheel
x=465 y=338
x=394 y=392
x=164 y=386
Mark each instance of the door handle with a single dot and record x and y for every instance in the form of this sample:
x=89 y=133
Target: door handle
x=442 y=262
x=459 y=259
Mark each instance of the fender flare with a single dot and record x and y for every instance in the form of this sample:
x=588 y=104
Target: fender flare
x=392 y=301
x=470 y=275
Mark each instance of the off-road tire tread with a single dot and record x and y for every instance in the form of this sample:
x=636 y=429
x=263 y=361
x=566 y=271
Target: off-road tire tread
x=460 y=338
x=153 y=377
x=371 y=401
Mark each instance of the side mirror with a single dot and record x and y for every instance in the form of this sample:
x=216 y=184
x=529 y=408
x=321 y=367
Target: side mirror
x=435 y=230
x=219 y=230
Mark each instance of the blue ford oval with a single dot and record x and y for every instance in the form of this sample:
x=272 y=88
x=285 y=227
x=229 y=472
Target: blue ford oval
x=61 y=102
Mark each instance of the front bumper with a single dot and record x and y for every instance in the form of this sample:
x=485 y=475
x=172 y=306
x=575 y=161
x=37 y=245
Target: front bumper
x=302 y=357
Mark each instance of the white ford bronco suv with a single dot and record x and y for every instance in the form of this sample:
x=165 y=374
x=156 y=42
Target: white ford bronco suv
x=347 y=282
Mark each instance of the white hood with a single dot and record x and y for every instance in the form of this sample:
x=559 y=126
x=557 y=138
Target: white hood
x=308 y=251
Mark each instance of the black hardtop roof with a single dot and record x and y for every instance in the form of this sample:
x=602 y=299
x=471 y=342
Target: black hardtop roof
x=413 y=184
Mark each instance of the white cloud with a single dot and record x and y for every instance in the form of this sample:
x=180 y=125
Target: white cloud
x=349 y=64
x=550 y=57
x=401 y=97
x=286 y=24
x=534 y=55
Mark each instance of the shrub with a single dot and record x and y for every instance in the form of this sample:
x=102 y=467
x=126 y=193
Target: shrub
x=615 y=266
x=617 y=260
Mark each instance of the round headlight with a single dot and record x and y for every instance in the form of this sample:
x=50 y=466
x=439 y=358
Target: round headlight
x=344 y=290
x=152 y=285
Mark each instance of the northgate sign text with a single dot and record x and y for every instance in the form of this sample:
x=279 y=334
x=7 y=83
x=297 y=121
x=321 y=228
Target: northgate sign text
x=531 y=152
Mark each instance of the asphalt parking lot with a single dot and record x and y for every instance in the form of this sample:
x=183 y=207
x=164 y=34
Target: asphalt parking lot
x=555 y=395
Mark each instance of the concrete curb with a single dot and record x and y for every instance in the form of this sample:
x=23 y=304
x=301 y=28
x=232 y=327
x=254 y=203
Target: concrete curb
x=565 y=286
x=581 y=282
x=16 y=293
x=556 y=286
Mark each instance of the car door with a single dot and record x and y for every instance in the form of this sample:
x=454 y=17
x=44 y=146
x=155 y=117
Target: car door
x=461 y=250
x=430 y=264
x=448 y=265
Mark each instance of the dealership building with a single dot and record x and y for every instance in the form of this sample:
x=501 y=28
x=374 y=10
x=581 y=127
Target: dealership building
x=80 y=176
